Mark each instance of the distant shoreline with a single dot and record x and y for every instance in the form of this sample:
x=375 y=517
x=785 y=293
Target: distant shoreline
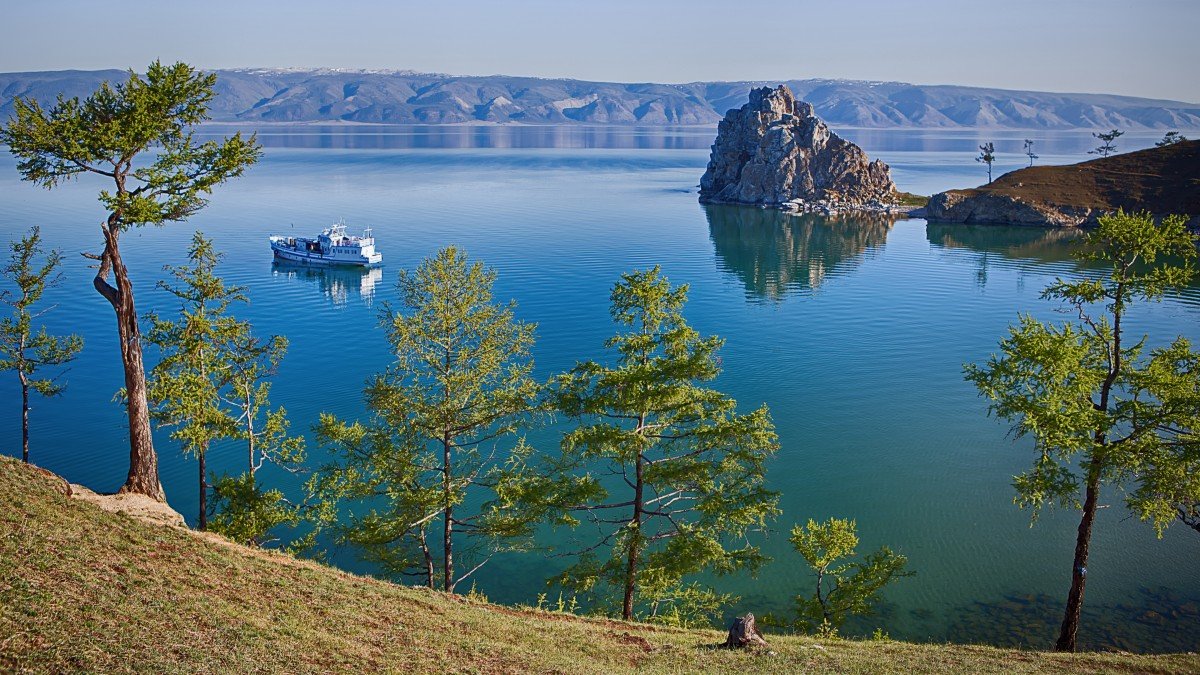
x=350 y=97
x=663 y=127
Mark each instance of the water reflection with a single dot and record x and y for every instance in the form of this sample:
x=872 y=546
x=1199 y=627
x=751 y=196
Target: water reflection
x=338 y=284
x=1049 y=245
x=775 y=253
x=450 y=137
x=1046 y=248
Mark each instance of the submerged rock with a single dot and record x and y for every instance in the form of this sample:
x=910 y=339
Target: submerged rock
x=774 y=151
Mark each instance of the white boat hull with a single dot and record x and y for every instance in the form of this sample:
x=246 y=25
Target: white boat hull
x=284 y=252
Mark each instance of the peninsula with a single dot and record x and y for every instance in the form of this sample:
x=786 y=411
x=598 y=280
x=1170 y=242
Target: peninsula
x=1162 y=180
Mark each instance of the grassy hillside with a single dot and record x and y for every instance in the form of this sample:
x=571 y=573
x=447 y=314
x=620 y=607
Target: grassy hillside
x=1161 y=180
x=82 y=589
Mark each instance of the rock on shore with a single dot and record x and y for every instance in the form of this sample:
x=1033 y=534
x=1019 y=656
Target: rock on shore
x=774 y=151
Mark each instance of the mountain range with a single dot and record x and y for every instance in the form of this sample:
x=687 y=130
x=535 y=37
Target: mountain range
x=406 y=97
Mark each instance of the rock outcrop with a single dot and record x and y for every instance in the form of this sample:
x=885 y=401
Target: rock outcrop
x=1159 y=180
x=774 y=151
x=976 y=207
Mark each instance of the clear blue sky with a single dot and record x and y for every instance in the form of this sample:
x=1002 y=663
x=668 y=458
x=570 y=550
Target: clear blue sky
x=1136 y=47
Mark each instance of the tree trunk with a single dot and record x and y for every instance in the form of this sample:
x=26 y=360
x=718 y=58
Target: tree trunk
x=744 y=633
x=820 y=596
x=202 y=523
x=1070 y=624
x=143 y=462
x=448 y=531
x=249 y=434
x=24 y=417
x=635 y=542
x=428 y=559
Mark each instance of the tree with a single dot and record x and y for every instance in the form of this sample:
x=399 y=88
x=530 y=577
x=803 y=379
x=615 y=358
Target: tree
x=459 y=388
x=252 y=362
x=1088 y=394
x=987 y=155
x=1189 y=514
x=21 y=349
x=843 y=588
x=1029 y=151
x=210 y=385
x=664 y=471
x=137 y=135
x=242 y=509
x=1106 y=147
x=186 y=385
x=1170 y=138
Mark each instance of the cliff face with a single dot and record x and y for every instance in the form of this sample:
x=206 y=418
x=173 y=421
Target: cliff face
x=774 y=151
x=1159 y=180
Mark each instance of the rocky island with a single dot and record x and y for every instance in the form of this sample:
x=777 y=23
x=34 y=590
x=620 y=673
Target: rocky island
x=1162 y=180
x=775 y=152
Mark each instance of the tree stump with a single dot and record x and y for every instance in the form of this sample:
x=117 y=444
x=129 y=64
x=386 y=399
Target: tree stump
x=744 y=633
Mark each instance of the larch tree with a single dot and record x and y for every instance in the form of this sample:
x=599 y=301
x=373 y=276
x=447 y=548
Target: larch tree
x=1107 y=145
x=987 y=155
x=137 y=136
x=21 y=349
x=443 y=415
x=243 y=509
x=186 y=386
x=1170 y=138
x=662 y=475
x=1101 y=408
x=843 y=587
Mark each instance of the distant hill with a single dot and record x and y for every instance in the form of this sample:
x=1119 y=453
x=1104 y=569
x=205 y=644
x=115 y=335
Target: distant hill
x=404 y=97
x=1162 y=181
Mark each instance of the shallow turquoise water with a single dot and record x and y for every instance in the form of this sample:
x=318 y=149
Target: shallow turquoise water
x=853 y=332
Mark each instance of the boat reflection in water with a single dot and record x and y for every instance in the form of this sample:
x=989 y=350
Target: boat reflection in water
x=776 y=253
x=339 y=284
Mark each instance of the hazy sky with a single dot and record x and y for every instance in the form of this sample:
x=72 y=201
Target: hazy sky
x=1137 y=47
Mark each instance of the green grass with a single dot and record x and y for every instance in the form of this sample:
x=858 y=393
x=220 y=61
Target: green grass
x=910 y=199
x=83 y=589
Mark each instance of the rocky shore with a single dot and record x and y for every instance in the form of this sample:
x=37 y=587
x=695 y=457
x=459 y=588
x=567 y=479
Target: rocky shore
x=775 y=152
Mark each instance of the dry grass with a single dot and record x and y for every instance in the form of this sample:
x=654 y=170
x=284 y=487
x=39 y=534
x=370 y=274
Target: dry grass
x=82 y=589
x=1163 y=180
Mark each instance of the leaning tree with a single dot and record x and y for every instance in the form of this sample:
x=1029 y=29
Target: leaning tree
x=138 y=135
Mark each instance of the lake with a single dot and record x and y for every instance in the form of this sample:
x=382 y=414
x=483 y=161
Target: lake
x=853 y=331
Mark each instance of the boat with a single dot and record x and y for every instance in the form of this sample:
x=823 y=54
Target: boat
x=332 y=247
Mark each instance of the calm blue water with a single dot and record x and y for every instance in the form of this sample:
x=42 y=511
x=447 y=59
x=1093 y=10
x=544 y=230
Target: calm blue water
x=854 y=333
